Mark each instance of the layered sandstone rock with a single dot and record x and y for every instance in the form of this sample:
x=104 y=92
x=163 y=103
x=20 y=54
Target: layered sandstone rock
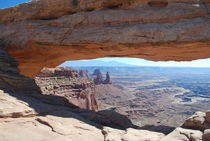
x=108 y=79
x=51 y=128
x=208 y=116
x=20 y=121
x=12 y=107
x=130 y=135
x=45 y=33
x=10 y=79
x=206 y=135
x=98 y=77
x=70 y=84
x=181 y=134
x=198 y=121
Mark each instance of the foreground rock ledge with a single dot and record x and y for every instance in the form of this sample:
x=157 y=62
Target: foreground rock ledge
x=44 y=121
x=46 y=33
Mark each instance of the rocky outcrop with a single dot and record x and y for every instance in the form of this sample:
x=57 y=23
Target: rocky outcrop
x=198 y=121
x=208 y=116
x=181 y=134
x=10 y=79
x=107 y=118
x=12 y=107
x=68 y=83
x=98 y=77
x=21 y=117
x=48 y=128
x=108 y=79
x=206 y=135
x=200 y=131
x=130 y=135
x=83 y=73
x=39 y=34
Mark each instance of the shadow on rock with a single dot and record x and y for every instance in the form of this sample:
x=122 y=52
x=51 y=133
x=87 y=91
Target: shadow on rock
x=59 y=106
x=158 y=128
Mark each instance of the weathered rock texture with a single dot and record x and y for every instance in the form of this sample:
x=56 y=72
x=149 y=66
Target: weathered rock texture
x=12 y=107
x=206 y=135
x=10 y=79
x=181 y=134
x=70 y=84
x=20 y=121
x=98 y=77
x=198 y=121
x=45 y=33
x=24 y=115
x=130 y=135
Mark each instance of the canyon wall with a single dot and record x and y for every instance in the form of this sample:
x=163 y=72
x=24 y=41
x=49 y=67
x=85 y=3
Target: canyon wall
x=68 y=83
x=45 y=33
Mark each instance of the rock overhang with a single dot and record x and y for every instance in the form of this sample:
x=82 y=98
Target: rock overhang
x=46 y=33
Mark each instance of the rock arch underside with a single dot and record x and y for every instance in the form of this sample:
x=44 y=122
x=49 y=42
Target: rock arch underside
x=45 y=33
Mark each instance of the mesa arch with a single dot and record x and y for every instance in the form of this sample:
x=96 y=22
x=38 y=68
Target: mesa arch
x=46 y=33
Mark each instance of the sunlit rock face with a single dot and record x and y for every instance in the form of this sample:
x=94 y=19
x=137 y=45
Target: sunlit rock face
x=46 y=33
x=68 y=83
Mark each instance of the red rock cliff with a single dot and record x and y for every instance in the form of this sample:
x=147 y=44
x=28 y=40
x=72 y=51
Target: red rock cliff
x=68 y=83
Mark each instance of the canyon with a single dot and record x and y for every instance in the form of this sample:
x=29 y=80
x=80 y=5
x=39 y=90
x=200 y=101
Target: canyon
x=147 y=95
x=45 y=33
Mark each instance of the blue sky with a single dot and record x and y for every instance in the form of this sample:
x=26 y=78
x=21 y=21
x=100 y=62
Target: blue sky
x=142 y=62
x=9 y=3
x=138 y=62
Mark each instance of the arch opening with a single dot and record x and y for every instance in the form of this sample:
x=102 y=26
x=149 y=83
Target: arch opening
x=144 y=91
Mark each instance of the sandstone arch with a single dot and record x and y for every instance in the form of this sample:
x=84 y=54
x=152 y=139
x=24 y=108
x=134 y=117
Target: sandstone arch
x=45 y=33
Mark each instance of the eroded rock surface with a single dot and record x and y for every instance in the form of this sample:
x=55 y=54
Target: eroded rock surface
x=48 y=128
x=206 y=135
x=181 y=134
x=98 y=77
x=10 y=79
x=130 y=135
x=70 y=84
x=197 y=121
x=208 y=116
x=12 y=107
x=45 y=33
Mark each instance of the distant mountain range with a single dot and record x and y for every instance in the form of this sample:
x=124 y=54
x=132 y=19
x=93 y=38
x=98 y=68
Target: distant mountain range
x=102 y=63
x=87 y=63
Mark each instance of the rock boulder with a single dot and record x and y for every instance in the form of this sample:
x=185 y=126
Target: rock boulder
x=197 y=121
